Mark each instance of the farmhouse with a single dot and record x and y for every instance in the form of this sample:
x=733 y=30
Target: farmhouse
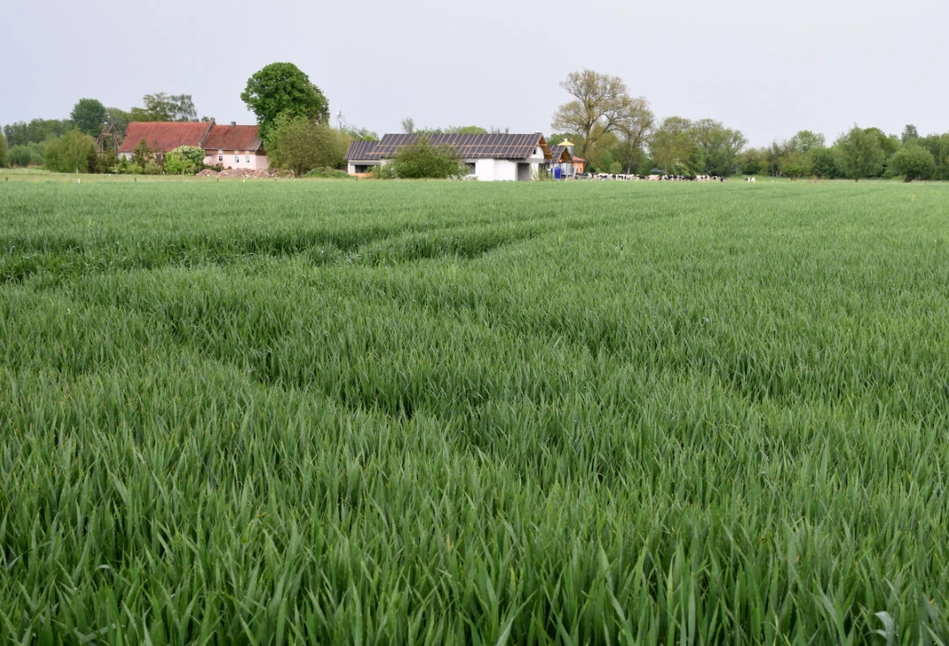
x=235 y=146
x=230 y=146
x=491 y=157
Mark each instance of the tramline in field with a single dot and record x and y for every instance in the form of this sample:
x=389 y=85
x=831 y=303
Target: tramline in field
x=445 y=412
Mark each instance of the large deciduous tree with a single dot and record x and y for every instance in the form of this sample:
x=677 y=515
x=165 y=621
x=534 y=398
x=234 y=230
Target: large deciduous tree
x=3 y=151
x=602 y=106
x=36 y=131
x=805 y=141
x=118 y=119
x=17 y=134
x=88 y=115
x=165 y=107
x=909 y=134
x=282 y=89
x=719 y=146
x=673 y=148
x=860 y=153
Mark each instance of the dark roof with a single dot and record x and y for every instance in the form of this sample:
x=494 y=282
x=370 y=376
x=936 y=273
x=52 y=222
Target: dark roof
x=496 y=146
x=165 y=136
x=359 y=150
x=560 y=154
x=233 y=138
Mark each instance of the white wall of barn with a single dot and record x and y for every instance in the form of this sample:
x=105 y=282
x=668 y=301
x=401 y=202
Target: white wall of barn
x=484 y=169
x=496 y=170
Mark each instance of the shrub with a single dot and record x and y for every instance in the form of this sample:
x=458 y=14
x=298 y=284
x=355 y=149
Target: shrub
x=74 y=152
x=913 y=162
x=142 y=154
x=331 y=173
x=104 y=162
x=382 y=171
x=21 y=156
x=184 y=160
x=423 y=160
x=302 y=144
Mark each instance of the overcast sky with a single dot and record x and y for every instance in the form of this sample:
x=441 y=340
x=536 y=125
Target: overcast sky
x=767 y=68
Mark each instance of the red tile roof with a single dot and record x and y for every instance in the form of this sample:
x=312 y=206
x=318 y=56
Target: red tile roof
x=165 y=136
x=233 y=138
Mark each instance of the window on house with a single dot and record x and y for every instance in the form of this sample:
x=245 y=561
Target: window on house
x=237 y=159
x=247 y=159
x=220 y=158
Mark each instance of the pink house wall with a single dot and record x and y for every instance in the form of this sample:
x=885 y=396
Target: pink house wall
x=237 y=159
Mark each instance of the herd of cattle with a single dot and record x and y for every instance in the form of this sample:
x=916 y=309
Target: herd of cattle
x=656 y=178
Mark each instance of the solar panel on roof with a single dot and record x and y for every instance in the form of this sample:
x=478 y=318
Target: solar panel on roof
x=469 y=146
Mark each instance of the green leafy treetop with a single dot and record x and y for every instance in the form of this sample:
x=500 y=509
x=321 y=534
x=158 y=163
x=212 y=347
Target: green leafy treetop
x=283 y=89
x=165 y=107
x=88 y=115
x=912 y=161
x=860 y=153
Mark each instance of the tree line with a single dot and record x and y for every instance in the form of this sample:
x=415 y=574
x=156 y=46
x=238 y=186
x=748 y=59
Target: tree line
x=616 y=132
x=611 y=129
x=70 y=144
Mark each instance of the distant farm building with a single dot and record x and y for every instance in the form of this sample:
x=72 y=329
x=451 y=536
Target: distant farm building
x=491 y=157
x=230 y=146
x=565 y=161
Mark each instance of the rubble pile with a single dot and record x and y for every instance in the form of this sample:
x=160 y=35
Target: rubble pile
x=245 y=173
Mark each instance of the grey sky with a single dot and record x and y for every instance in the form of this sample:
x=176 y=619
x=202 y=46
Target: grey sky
x=768 y=68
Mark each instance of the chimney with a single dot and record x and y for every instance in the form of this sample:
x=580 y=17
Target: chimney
x=233 y=123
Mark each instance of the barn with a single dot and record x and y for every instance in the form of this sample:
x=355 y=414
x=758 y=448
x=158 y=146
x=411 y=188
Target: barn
x=489 y=157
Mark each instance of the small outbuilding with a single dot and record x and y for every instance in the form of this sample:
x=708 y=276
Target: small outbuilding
x=563 y=159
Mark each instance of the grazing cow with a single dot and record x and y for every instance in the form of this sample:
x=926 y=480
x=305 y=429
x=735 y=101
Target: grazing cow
x=749 y=179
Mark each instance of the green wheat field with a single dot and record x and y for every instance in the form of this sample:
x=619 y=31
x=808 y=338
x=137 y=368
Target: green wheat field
x=283 y=412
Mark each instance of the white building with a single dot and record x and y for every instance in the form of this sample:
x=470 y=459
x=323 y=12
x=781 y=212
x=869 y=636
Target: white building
x=492 y=157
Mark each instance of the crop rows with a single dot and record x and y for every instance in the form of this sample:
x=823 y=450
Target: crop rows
x=455 y=413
